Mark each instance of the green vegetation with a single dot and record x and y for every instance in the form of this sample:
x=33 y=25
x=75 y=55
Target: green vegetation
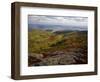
x=47 y=44
x=39 y=40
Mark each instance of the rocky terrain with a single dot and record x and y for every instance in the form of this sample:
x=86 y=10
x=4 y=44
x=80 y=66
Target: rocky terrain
x=58 y=58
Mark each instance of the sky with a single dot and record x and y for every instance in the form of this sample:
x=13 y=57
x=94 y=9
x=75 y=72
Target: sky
x=72 y=21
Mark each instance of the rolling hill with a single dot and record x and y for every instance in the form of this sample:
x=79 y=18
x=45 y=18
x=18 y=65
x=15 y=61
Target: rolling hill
x=56 y=48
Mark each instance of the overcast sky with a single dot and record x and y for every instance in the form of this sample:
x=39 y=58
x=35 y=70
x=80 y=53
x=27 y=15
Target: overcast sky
x=59 y=20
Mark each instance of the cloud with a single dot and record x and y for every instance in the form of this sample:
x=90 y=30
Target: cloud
x=58 y=20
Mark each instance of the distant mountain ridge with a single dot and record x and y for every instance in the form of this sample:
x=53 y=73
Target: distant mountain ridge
x=55 y=27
